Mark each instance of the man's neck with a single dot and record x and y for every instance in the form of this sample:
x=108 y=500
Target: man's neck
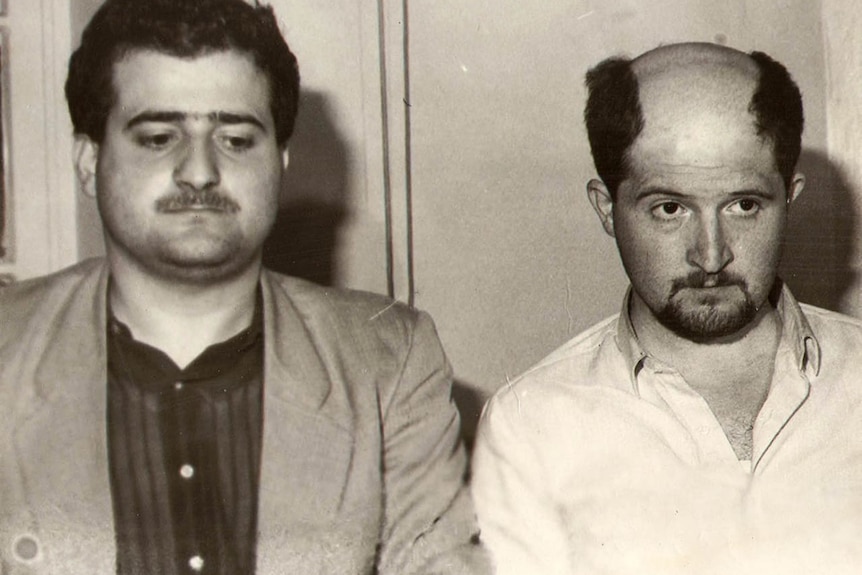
x=182 y=319
x=730 y=353
x=732 y=374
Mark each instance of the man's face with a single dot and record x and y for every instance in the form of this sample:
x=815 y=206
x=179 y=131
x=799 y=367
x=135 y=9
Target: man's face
x=187 y=176
x=700 y=218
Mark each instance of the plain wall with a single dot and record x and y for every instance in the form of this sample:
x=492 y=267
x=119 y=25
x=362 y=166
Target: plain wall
x=510 y=258
x=843 y=77
x=507 y=255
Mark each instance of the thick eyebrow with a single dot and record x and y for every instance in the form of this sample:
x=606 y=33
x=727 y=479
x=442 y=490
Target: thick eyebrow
x=668 y=193
x=665 y=192
x=177 y=117
x=754 y=192
x=234 y=118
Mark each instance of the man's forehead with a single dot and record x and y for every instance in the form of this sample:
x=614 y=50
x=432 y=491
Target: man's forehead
x=695 y=83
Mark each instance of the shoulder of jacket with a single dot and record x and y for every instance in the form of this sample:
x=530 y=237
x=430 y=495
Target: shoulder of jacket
x=345 y=305
x=38 y=289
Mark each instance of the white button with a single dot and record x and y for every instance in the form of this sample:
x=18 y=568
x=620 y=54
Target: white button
x=187 y=471
x=178 y=385
x=196 y=562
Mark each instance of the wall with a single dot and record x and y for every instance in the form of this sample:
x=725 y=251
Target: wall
x=843 y=71
x=441 y=156
x=509 y=257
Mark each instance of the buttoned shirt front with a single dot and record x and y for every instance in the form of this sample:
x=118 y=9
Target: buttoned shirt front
x=184 y=452
x=602 y=459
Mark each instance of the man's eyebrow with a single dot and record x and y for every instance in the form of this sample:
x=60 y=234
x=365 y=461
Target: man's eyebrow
x=156 y=116
x=658 y=191
x=765 y=194
x=176 y=117
x=234 y=118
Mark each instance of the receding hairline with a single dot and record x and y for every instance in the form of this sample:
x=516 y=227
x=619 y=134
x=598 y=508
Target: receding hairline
x=686 y=80
x=694 y=56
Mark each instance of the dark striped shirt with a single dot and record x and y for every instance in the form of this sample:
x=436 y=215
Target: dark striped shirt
x=184 y=449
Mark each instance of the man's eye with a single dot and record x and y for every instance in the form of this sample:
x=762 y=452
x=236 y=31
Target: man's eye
x=155 y=141
x=668 y=210
x=238 y=143
x=745 y=206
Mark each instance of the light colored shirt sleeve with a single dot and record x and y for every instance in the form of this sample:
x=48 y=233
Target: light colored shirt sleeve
x=519 y=520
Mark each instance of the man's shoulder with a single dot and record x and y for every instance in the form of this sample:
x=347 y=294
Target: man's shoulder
x=590 y=360
x=341 y=307
x=820 y=317
x=837 y=334
x=33 y=308
x=34 y=293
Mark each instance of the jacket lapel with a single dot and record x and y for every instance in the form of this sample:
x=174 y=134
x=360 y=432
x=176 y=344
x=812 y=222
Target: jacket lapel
x=62 y=443
x=307 y=444
x=62 y=440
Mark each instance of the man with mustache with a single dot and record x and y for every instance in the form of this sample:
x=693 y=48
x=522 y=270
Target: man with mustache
x=176 y=408
x=714 y=425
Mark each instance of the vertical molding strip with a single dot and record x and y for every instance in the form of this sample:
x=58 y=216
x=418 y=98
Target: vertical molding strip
x=408 y=155
x=384 y=119
x=393 y=44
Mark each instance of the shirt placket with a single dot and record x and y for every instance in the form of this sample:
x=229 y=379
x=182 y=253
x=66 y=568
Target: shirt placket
x=181 y=421
x=788 y=391
x=690 y=409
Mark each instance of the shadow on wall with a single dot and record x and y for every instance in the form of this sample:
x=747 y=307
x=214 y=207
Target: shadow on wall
x=314 y=196
x=470 y=402
x=820 y=242
x=314 y=205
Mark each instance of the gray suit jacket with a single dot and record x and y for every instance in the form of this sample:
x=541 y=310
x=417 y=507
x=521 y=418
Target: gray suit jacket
x=362 y=464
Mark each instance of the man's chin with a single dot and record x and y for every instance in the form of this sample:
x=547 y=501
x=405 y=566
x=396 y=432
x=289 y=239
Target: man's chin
x=203 y=270
x=710 y=321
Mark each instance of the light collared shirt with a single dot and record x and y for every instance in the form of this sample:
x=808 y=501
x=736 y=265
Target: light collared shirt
x=601 y=459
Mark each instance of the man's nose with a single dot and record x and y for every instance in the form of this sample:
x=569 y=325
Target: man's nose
x=197 y=166
x=710 y=250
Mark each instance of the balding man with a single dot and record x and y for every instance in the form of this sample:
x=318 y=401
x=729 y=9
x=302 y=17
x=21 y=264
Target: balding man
x=714 y=425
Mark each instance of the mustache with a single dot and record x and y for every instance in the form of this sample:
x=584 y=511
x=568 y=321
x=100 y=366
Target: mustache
x=700 y=279
x=190 y=199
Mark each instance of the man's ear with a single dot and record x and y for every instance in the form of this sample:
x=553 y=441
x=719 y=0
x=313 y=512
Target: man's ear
x=796 y=187
x=602 y=203
x=86 y=158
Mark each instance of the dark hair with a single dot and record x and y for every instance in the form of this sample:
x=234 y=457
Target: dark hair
x=777 y=109
x=182 y=28
x=614 y=117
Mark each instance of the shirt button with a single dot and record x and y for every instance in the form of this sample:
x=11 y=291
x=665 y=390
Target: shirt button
x=187 y=471
x=178 y=385
x=196 y=562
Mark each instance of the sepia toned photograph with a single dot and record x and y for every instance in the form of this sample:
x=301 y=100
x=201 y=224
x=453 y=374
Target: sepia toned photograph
x=464 y=287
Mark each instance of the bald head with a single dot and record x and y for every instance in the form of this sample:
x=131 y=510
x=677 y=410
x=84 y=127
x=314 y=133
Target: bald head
x=694 y=85
x=686 y=81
